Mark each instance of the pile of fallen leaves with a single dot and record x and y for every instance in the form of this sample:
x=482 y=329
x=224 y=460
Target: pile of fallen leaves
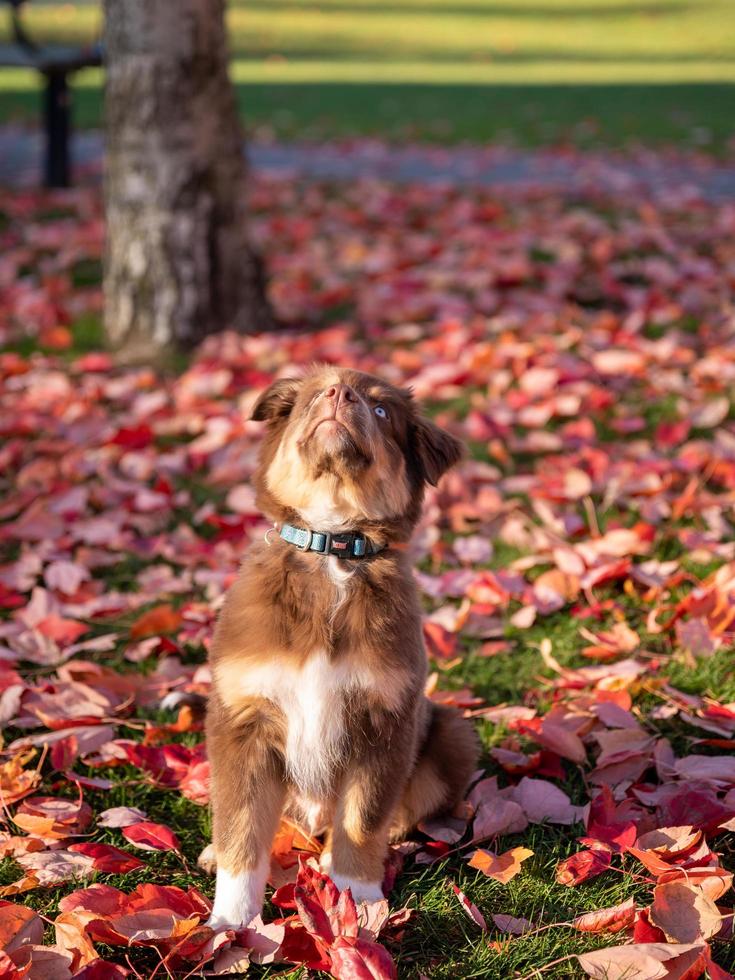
x=585 y=351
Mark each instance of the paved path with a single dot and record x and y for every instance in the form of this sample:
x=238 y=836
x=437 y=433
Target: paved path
x=20 y=155
x=499 y=167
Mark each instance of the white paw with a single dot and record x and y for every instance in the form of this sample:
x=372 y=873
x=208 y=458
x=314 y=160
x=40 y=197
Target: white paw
x=218 y=922
x=207 y=860
x=238 y=898
x=325 y=862
x=362 y=891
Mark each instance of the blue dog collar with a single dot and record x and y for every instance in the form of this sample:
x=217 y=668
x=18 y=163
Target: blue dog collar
x=351 y=544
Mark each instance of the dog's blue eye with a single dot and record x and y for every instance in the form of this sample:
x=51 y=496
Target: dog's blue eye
x=380 y=412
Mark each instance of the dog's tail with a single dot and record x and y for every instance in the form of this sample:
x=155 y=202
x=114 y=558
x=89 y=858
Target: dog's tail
x=447 y=758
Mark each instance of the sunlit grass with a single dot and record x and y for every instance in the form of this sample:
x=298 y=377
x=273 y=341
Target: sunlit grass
x=471 y=69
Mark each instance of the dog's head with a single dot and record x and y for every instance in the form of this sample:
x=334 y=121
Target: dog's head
x=344 y=449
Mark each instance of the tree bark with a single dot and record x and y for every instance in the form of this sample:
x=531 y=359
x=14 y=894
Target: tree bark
x=179 y=264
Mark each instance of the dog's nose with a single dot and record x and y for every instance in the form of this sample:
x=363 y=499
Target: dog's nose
x=341 y=393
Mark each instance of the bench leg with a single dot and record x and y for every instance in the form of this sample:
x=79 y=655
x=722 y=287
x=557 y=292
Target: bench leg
x=58 y=123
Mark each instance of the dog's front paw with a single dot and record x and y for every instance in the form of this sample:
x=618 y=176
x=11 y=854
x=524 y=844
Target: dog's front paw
x=238 y=897
x=362 y=891
x=219 y=922
x=207 y=860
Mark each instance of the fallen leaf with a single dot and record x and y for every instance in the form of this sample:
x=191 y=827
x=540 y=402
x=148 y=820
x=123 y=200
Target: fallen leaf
x=513 y=925
x=18 y=926
x=684 y=913
x=500 y=867
x=641 y=961
x=154 y=622
x=612 y=919
x=121 y=816
x=472 y=910
x=583 y=865
x=108 y=859
x=151 y=836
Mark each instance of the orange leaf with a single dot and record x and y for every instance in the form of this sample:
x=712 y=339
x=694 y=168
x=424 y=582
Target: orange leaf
x=500 y=867
x=612 y=919
x=642 y=961
x=39 y=826
x=24 y=884
x=15 y=781
x=18 y=925
x=289 y=841
x=160 y=619
x=72 y=938
x=684 y=913
x=670 y=842
x=712 y=882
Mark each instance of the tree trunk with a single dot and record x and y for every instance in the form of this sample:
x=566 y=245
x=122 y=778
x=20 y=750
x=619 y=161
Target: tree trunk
x=179 y=264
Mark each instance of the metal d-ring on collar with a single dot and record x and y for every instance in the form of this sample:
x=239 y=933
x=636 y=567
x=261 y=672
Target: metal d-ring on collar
x=350 y=544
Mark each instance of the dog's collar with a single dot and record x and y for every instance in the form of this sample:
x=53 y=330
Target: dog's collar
x=350 y=544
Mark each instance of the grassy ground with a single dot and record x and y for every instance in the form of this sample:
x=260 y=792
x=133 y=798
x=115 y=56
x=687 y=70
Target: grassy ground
x=531 y=71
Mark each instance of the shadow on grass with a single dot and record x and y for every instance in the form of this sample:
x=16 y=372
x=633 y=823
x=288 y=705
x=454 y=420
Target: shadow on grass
x=532 y=114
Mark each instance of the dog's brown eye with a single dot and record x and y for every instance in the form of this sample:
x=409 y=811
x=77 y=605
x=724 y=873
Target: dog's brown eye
x=380 y=412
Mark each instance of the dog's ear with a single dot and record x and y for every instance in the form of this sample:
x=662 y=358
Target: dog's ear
x=436 y=449
x=277 y=401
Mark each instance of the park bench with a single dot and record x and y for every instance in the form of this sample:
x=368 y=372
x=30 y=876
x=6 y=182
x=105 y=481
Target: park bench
x=55 y=62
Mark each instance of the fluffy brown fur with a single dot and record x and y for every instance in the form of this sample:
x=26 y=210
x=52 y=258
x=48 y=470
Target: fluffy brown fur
x=318 y=662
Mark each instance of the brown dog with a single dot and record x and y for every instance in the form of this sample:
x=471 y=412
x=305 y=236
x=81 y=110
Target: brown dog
x=318 y=664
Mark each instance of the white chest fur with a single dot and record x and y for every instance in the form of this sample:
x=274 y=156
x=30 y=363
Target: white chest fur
x=315 y=700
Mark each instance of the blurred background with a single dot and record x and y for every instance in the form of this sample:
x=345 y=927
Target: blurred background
x=523 y=72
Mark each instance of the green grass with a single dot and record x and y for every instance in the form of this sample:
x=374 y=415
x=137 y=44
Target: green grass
x=530 y=71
